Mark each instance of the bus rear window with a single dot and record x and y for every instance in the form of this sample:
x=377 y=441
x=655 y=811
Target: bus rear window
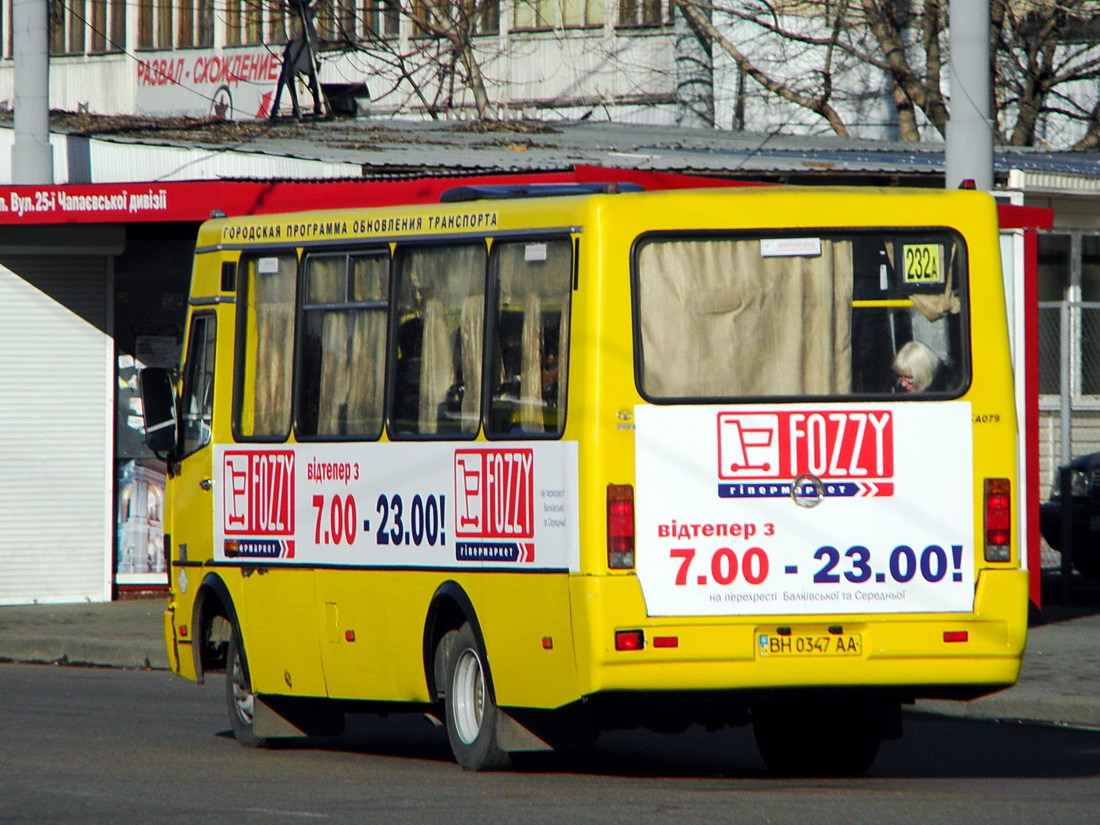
x=817 y=314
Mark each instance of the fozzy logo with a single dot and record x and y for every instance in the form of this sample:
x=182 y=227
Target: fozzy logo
x=496 y=505
x=258 y=493
x=850 y=451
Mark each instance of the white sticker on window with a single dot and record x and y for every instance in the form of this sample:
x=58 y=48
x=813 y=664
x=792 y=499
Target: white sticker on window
x=267 y=266
x=790 y=247
x=534 y=252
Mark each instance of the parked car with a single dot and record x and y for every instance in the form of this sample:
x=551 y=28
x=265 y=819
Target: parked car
x=1084 y=514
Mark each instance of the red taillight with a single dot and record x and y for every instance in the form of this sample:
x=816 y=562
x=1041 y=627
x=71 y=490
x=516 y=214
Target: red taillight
x=629 y=639
x=954 y=636
x=620 y=526
x=998 y=519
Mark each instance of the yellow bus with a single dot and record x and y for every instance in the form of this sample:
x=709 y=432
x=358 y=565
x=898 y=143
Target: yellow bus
x=544 y=464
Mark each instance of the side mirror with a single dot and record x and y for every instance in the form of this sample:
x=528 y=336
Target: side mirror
x=159 y=404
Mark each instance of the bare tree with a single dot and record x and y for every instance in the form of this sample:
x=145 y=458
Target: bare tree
x=437 y=63
x=1046 y=59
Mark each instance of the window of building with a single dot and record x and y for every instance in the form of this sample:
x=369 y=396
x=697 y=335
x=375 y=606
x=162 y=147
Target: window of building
x=548 y=14
x=107 y=26
x=381 y=18
x=342 y=366
x=356 y=20
x=243 y=22
x=474 y=16
x=195 y=23
x=278 y=24
x=155 y=24
x=644 y=13
x=265 y=346
x=68 y=26
x=1069 y=315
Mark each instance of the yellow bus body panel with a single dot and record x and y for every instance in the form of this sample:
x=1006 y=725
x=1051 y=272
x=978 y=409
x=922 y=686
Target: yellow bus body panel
x=359 y=633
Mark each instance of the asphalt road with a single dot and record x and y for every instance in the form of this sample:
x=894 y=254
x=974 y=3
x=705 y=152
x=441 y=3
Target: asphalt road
x=131 y=747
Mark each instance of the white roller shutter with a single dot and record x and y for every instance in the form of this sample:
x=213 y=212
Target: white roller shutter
x=56 y=428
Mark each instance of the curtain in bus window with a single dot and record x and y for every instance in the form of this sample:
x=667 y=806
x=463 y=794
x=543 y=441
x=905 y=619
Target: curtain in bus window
x=473 y=334
x=264 y=409
x=719 y=318
x=436 y=365
x=343 y=345
x=529 y=348
x=438 y=375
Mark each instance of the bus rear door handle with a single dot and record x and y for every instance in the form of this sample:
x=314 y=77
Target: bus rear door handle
x=207 y=484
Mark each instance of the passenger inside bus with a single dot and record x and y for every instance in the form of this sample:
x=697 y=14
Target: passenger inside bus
x=917 y=369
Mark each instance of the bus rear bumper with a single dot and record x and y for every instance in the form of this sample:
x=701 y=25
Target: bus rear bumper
x=961 y=655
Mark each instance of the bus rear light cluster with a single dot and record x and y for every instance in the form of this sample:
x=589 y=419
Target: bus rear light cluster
x=620 y=526
x=629 y=639
x=998 y=519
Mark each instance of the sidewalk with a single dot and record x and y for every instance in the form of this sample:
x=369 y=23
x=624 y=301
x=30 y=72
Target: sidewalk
x=126 y=633
x=1059 y=683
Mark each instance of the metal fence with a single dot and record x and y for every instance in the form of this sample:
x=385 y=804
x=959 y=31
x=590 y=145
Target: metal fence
x=1069 y=389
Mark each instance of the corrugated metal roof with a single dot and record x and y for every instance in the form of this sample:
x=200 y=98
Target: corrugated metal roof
x=385 y=149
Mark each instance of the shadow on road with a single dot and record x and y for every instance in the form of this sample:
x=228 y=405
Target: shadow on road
x=933 y=748
x=1067 y=599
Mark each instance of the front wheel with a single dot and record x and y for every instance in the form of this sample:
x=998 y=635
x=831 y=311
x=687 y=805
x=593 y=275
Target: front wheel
x=239 y=698
x=471 y=709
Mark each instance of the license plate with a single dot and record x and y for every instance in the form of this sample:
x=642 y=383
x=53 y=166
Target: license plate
x=809 y=644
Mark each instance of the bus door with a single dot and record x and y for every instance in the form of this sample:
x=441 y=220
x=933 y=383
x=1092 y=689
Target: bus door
x=787 y=464
x=193 y=483
x=255 y=513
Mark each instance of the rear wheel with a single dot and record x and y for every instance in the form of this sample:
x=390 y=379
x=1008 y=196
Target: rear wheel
x=471 y=709
x=817 y=738
x=239 y=698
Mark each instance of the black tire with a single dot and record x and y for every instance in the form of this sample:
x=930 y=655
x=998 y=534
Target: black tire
x=239 y=698
x=815 y=738
x=469 y=704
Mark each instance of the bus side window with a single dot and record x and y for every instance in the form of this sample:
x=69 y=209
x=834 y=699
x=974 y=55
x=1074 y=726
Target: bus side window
x=197 y=404
x=265 y=346
x=343 y=337
x=528 y=346
x=440 y=307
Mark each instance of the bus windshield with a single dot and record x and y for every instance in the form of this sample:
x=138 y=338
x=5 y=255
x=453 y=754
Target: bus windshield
x=823 y=314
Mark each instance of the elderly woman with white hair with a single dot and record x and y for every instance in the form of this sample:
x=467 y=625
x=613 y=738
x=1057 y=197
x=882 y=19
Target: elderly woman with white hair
x=917 y=367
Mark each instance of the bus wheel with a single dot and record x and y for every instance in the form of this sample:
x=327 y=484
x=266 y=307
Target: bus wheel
x=815 y=738
x=239 y=698
x=471 y=711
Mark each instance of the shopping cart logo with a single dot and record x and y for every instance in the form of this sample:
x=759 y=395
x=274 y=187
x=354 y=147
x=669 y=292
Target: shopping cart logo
x=258 y=493
x=496 y=504
x=748 y=445
x=850 y=451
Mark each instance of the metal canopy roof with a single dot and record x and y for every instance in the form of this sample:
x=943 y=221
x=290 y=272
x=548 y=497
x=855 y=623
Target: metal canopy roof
x=387 y=149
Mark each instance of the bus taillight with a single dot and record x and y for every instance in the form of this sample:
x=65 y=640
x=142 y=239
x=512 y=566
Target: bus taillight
x=620 y=526
x=998 y=519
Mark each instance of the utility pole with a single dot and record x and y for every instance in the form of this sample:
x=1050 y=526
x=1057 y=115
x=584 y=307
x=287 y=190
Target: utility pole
x=31 y=154
x=969 y=126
